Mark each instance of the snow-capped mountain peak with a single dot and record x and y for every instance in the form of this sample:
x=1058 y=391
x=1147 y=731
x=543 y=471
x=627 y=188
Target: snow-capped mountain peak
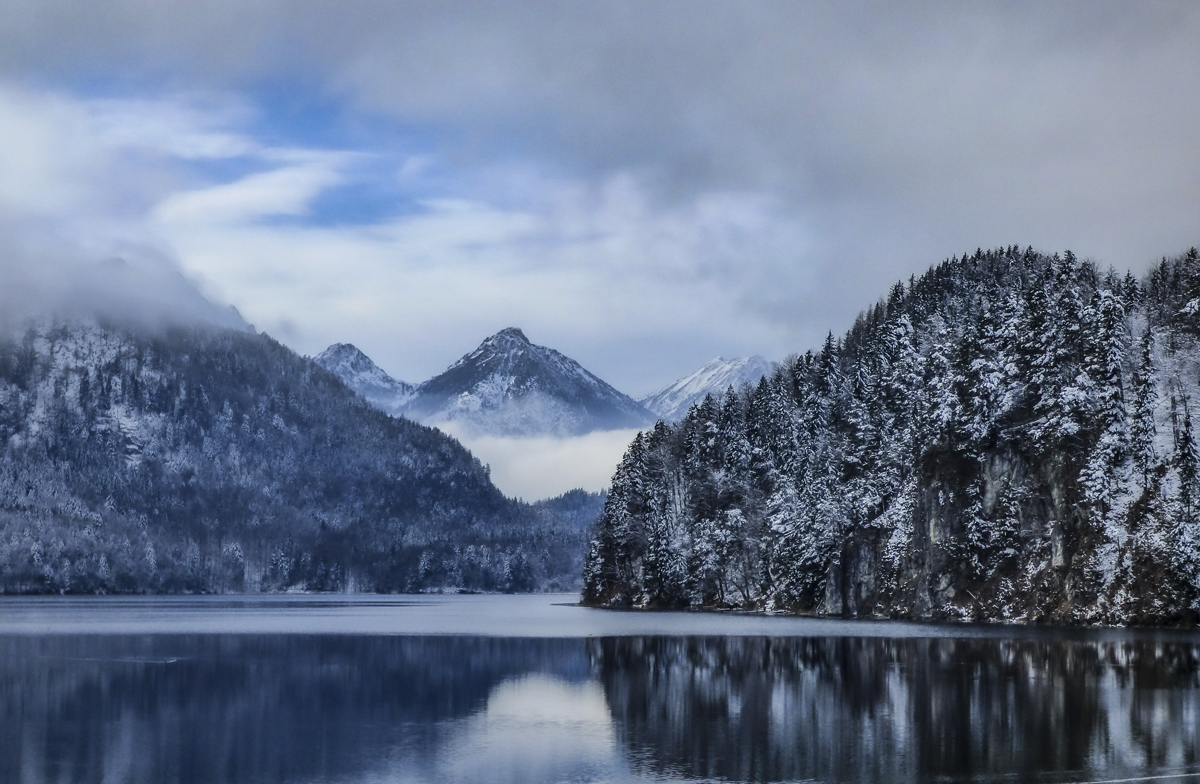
x=509 y=342
x=510 y=386
x=673 y=401
x=357 y=371
x=509 y=334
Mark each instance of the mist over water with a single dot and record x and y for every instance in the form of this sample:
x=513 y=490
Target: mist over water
x=386 y=695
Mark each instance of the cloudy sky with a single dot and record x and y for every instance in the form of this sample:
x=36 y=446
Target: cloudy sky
x=641 y=185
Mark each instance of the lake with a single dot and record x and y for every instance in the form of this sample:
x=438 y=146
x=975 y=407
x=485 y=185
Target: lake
x=530 y=689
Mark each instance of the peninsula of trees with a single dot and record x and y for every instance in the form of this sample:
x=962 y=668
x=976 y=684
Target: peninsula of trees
x=1007 y=437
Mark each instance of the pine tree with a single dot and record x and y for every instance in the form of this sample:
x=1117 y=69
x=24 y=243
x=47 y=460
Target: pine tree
x=1187 y=463
x=1106 y=348
x=969 y=401
x=1145 y=399
x=614 y=563
x=942 y=415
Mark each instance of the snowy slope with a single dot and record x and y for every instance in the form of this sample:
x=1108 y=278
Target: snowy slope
x=357 y=371
x=509 y=386
x=210 y=459
x=1008 y=438
x=673 y=401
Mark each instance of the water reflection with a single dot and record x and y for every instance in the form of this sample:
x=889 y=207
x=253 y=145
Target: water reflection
x=286 y=708
x=161 y=709
x=847 y=709
x=537 y=728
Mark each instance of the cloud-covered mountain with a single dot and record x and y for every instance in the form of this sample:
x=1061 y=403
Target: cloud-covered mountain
x=358 y=372
x=213 y=459
x=511 y=387
x=141 y=286
x=673 y=401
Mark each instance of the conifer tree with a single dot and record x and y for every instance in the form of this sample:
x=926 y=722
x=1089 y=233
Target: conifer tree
x=917 y=464
x=1187 y=463
x=1145 y=399
x=1106 y=350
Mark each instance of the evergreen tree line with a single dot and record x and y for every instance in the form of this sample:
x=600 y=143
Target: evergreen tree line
x=1007 y=436
x=204 y=459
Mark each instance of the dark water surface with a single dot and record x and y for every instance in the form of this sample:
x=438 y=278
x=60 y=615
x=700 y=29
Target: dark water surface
x=528 y=689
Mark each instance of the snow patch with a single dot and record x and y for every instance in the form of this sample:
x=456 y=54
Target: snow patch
x=672 y=402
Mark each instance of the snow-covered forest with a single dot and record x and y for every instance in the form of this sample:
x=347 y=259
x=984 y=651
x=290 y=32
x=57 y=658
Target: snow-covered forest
x=207 y=459
x=1007 y=437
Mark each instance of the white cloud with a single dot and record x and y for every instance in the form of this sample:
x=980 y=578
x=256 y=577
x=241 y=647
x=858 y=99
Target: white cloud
x=285 y=191
x=196 y=129
x=544 y=467
x=79 y=179
x=49 y=159
x=598 y=269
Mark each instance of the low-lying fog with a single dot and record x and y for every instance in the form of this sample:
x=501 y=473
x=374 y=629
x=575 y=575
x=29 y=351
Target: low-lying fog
x=545 y=466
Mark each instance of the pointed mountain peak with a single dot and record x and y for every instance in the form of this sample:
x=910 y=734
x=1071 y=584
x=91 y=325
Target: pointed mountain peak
x=510 y=386
x=509 y=335
x=357 y=371
x=342 y=353
x=505 y=345
x=717 y=375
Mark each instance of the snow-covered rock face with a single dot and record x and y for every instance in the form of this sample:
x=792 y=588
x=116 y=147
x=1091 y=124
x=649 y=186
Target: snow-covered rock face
x=357 y=371
x=509 y=386
x=672 y=402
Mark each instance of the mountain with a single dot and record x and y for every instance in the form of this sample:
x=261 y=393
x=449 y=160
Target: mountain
x=671 y=402
x=1006 y=438
x=575 y=507
x=200 y=459
x=511 y=387
x=357 y=371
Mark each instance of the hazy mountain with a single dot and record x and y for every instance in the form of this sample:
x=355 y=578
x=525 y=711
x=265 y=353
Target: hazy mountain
x=139 y=288
x=357 y=371
x=509 y=386
x=673 y=401
x=1006 y=438
x=211 y=459
x=575 y=507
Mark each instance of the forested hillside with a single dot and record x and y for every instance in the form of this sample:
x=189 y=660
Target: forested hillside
x=1007 y=437
x=207 y=459
x=673 y=401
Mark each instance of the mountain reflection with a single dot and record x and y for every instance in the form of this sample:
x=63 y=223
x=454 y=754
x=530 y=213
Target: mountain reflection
x=276 y=709
x=270 y=708
x=869 y=709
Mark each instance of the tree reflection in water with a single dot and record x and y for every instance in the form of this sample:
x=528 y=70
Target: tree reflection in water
x=286 y=708
x=871 y=709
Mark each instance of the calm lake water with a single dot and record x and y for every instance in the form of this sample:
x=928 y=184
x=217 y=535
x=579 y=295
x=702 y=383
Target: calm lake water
x=532 y=689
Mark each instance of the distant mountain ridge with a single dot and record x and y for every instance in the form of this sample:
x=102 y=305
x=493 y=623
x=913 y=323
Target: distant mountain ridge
x=508 y=386
x=672 y=402
x=366 y=378
x=207 y=459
